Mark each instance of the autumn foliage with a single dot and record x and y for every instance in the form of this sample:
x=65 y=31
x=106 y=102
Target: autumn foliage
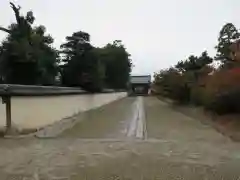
x=196 y=81
x=222 y=91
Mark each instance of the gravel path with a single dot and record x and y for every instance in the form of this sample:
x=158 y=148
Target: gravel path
x=176 y=147
x=110 y=121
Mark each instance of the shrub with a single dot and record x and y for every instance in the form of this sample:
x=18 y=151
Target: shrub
x=223 y=92
x=225 y=103
x=197 y=95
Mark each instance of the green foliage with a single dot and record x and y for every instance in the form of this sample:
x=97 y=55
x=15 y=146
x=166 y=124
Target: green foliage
x=228 y=34
x=172 y=85
x=117 y=64
x=181 y=82
x=194 y=64
x=94 y=68
x=26 y=55
x=83 y=67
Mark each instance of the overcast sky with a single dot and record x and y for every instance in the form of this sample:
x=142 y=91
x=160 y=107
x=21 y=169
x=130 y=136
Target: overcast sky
x=157 y=33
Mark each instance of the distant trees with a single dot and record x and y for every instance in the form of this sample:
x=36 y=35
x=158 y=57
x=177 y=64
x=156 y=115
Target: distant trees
x=177 y=81
x=28 y=57
x=117 y=64
x=94 y=68
x=227 y=35
x=196 y=81
x=83 y=67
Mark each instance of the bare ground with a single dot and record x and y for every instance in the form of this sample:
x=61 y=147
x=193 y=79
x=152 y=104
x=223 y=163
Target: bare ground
x=228 y=125
x=177 y=147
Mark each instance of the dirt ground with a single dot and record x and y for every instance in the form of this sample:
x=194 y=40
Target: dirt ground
x=175 y=146
x=228 y=125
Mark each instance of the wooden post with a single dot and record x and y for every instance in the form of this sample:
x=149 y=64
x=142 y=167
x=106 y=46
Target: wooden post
x=6 y=99
x=8 y=113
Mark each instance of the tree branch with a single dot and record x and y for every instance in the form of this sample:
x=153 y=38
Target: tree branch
x=16 y=11
x=5 y=30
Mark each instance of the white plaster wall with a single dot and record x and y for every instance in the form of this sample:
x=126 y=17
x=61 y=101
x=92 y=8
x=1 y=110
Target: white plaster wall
x=39 y=111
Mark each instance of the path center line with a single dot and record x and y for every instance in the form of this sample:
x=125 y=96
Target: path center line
x=137 y=125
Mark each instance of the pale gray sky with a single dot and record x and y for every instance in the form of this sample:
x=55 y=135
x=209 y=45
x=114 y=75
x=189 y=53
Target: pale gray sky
x=157 y=33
